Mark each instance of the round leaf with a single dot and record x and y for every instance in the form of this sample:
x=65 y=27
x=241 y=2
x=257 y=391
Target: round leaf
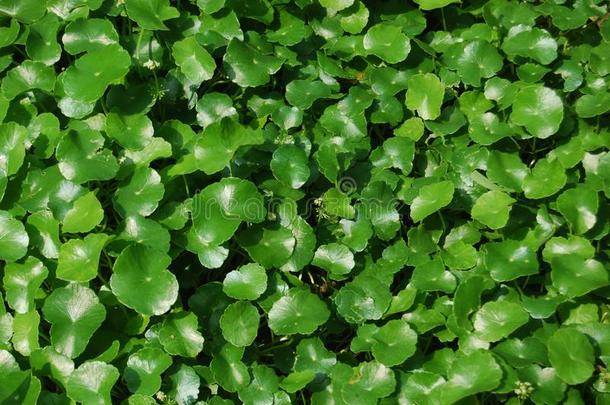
x=85 y=214
x=179 y=335
x=92 y=382
x=141 y=282
x=144 y=369
x=509 y=259
x=79 y=259
x=474 y=61
x=239 y=323
x=290 y=165
x=246 y=283
x=425 y=94
x=335 y=258
x=394 y=343
x=13 y=238
x=579 y=207
x=74 y=313
x=492 y=209
x=298 y=312
x=193 y=59
x=21 y=281
x=387 y=42
x=539 y=109
x=430 y=199
x=571 y=354
x=496 y=320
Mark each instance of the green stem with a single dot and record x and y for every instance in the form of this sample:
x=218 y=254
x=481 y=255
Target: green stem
x=443 y=20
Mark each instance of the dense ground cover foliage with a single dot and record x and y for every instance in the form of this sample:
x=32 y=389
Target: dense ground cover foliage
x=304 y=201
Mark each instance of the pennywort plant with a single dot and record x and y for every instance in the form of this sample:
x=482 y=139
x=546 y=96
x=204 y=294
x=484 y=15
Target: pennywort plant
x=304 y=201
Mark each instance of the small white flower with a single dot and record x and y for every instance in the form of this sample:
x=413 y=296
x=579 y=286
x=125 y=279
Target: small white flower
x=151 y=64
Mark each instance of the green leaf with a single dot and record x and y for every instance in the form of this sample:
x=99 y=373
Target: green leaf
x=571 y=354
x=239 y=323
x=184 y=383
x=228 y=369
x=305 y=243
x=29 y=75
x=141 y=194
x=532 y=43
x=546 y=178
x=47 y=361
x=246 y=283
x=151 y=15
x=140 y=280
x=539 y=109
x=25 y=11
x=365 y=298
x=179 y=334
x=506 y=169
x=79 y=258
x=297 y=380
x=214 y=150
x=290 y=165
x=75 y=313
x=509 y=259
x=291 y=30
x=336 y=203
x=247 y=67
x=87 y=35
x=21 y=282
x=83 y=158
x=44 y=231
x=474 y=61
x=574 y=275
x=220 y=207
x=335 y=258
x=87 y=79
x=287 y=117
x=592 y=105
x=12 y=151
x=25 y=332
x=579 y=207
x=269 y=247
x=333 y=6
x=434 y=4
x=355 y=18
x=425 y=94
x=92 y=382
x=559 y=246
x=431 y=198
x=298 y=312
x=21 y=386
x=213 y=107
x=470 y=374
x=387 y=42
x=496 y=320
x=85 y=214
x=130 y=131
x=394 y=343
x=312 y=355
x=13 y=238
x=492 y=209
x=210 y=6
x=194 y=60
x=144 y=369
x=548 y=387
x=431 y=276
x=303 y=93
